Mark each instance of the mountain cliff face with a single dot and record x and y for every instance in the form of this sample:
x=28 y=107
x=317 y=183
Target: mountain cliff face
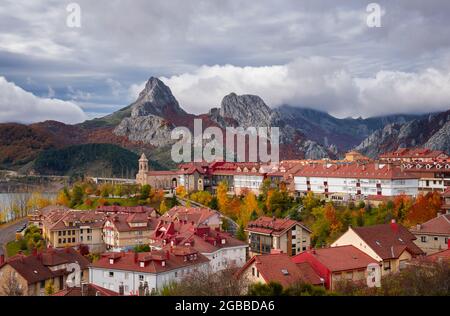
x=327 y=130
x=431 y=131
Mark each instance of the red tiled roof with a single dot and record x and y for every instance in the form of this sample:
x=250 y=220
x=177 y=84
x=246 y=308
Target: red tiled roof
x=355 y=170
x=441 y=255
x=280 y=268
x=122 y=222
x=439 y=225
x=272 y=226
x=389 y=240
x=92 y=290
x=413 y=153
x=341 y=258
x=126 y=209
x=35 y=268
x=70 y=219
x=173 y=259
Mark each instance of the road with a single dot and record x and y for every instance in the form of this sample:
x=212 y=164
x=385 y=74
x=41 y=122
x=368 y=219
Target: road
x=8 y=233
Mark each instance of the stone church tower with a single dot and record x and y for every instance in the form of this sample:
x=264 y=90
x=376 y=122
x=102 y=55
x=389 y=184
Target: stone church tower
x=141 y=177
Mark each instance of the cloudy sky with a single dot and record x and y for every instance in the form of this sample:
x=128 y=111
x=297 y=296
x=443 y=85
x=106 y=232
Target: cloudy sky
x=316 y=54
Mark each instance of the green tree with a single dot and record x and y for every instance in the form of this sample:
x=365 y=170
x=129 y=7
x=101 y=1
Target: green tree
x=145 y=192
x=77 y=196
x=241 y=233
x=270 y=289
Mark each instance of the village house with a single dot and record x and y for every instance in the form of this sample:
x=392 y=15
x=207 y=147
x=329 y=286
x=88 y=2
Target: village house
x=279 y=268
x=148 y=272
x=34 y=272
x=391 y=245
x=266 y=234
x=122 y=231
x=335 y=264
x=433 y=235
x=222 y=250
x=63 y=228
x=196 y=215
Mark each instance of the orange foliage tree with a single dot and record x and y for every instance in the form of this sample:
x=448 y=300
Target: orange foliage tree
x=424 y=208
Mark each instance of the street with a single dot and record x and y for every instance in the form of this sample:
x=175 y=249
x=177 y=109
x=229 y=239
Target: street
x=8 y=233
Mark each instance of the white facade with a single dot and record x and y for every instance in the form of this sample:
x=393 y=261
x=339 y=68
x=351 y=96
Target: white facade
x=112 y=278
x=227 y=257
x=249 y=182
x=355 y=186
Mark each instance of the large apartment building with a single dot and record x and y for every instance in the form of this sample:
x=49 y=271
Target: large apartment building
x=355 y=179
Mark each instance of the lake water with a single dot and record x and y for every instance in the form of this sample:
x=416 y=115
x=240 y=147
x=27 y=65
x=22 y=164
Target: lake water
x=6 y=198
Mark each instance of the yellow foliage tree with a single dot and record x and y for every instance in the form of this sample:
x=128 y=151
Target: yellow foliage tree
x=163 y=207
x=249 y=205
x=222 y=196
x=62 y=199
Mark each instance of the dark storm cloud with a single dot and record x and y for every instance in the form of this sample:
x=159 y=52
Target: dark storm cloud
x=308 y=53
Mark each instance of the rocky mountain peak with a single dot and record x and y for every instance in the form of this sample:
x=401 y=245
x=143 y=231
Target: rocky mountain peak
x=156 y=99
x=247 y=110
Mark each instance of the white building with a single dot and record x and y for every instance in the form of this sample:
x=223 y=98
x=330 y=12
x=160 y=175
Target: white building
x=354 y=179
x=151 y=269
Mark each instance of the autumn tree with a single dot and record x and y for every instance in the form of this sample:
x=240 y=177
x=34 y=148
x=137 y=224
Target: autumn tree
x=222 y=197
x=424 y=208
x=181 y=191
x=163 y=207
x=249 y=205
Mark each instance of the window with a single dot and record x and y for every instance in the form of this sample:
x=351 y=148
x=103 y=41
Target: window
x=111 y=274
x=59 y=240
x=387 y=265
x=423 y=238
x=59 y=233
x=42 y=284
x=89 y=230
x=141 y=277
x=253 y=271
x=81 y=231
x=436 y=238
x=176 y=274
x=73 y=239
x=257 y=273
x=89 y=238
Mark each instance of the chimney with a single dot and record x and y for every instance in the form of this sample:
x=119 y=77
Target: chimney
x=439 y=213
x=394 y=226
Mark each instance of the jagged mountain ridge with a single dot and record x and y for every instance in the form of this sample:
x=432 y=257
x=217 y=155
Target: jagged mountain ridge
x=431 y=131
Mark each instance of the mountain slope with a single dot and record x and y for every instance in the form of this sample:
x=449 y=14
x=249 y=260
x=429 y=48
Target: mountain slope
x=343 y=133
x=104 y=160
x=432 y=131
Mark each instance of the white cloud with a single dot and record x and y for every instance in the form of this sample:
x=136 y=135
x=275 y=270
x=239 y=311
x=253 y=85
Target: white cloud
x=315 y=82
x=18 y=105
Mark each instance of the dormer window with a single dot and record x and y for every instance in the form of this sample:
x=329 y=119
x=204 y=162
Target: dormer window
x=224 y=241
x=142 y=264
x=163 y=263
x=111 y=261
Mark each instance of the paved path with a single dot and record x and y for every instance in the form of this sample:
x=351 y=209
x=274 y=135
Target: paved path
x=8 y=233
